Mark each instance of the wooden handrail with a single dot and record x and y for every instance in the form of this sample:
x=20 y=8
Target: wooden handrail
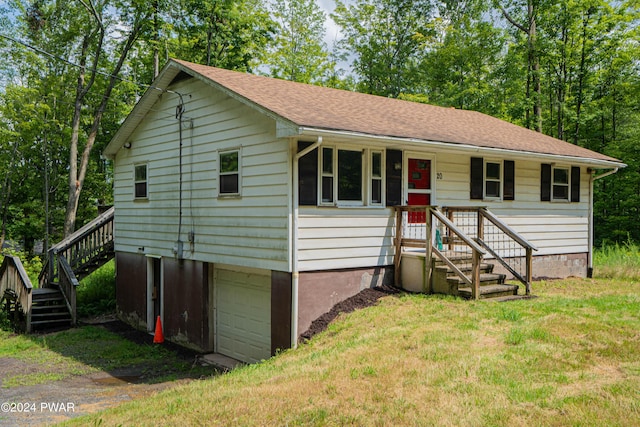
x=13 y=276
x=84 y=231
x=466 y=239
x=528 y=247
x=432 y=211
x=506 y=229
x=68 y=284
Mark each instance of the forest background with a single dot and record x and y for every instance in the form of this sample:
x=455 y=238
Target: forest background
x=71 y=71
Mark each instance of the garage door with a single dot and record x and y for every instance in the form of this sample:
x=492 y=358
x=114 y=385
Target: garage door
x=243 y=313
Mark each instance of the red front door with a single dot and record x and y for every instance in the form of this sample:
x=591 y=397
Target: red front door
x=419 y=189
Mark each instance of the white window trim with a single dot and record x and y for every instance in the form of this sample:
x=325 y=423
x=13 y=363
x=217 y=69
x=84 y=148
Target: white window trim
x=484 y=179
x=146 y=181
x=568 y=184
x=367 y=176
x=239 y=173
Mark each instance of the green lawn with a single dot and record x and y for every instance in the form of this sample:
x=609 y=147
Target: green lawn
x=571 y=356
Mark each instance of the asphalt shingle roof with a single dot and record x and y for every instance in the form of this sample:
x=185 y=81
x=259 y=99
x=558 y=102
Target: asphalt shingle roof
x=339 y=110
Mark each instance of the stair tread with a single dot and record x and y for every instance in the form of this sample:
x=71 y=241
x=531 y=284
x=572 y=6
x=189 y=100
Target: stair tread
x=48 y=307
x=56 y=314
x=484 y=277
x=44 y=291
x=488 y=290
x=466 y=267
x=49 y=322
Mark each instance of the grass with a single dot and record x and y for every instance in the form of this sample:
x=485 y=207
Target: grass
x=78 y=351
x=97 y=292
x=569 y=357
x=618 y=260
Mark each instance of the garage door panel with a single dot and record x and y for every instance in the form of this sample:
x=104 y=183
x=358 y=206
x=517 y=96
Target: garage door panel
x=243 y=315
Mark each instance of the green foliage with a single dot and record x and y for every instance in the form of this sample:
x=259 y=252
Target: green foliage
x=299 y=52
x=32 y=264
x=617 y=261
x=97 y=292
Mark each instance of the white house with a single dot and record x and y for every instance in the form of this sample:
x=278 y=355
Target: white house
x=247 y=206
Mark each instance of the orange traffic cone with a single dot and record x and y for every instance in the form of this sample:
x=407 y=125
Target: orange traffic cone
x=158 y=337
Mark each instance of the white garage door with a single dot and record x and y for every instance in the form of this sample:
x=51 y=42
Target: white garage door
x=243 y=313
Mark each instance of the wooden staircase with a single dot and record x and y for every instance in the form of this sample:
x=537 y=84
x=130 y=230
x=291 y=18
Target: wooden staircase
x=454 y=251
x=53 y=304
x=492 y=285
x=48 y=309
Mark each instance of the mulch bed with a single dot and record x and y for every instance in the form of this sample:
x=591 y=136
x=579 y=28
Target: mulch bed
x=364 y=298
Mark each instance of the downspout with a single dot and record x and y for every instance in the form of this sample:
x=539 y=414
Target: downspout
x=592 y=179
x=295 y=274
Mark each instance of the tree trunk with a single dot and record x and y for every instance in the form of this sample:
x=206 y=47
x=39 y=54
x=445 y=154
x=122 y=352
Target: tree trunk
x=77 y=175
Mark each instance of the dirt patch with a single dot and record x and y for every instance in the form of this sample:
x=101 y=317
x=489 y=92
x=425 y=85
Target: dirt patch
x=364 y=298
x=78 y=395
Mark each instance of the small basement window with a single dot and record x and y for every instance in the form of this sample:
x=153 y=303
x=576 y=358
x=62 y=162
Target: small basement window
x=140 y=181
x=229 y=174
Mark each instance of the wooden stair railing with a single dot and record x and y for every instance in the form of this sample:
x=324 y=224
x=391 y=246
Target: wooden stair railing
x=86 y=249
x=505 y=245
x=67 y=262
x=14 y=279
x=423 y=225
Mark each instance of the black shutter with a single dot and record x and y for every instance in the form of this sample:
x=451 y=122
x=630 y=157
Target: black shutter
x=477 y=177
x=394 y=177
x=509 y=180
x=545 y=182
x=575 y=184
x=307 y=176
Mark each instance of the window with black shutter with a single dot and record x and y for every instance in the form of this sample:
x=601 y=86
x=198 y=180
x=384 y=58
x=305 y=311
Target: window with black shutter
x=559 y=183
x=492 y=179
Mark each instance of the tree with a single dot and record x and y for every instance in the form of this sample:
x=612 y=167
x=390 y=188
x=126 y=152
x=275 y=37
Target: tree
x=528 y=26
x=387 y=39
x=97 y=34
x=231 y=34
x=461 y=67
x=299 y=52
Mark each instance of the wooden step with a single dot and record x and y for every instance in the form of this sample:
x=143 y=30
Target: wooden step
x=486 y=279
x=490 y=291
x=48 y=307
x=484 y=268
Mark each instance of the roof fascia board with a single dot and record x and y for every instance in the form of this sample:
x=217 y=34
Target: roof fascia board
x=455 y=147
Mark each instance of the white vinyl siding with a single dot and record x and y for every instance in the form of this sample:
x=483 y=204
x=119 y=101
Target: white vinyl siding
x=251 y=229
x=553 y=228
x=331 y=238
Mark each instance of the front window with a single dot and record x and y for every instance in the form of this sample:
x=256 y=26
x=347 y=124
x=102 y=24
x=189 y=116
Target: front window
x=492 y=180
x=341 y=176
x=229 y=172
x=560 y=184
x=140 y=181
x=349 y=175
